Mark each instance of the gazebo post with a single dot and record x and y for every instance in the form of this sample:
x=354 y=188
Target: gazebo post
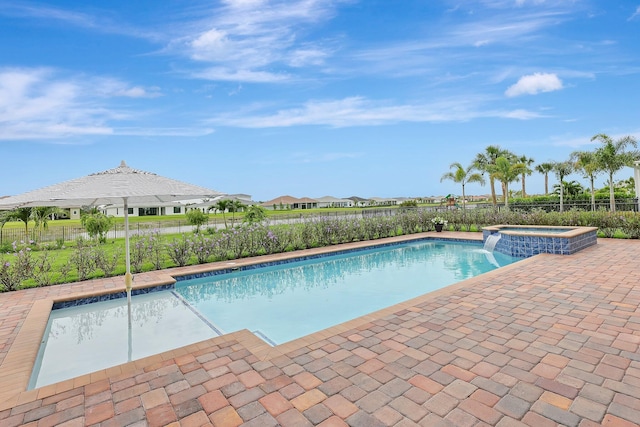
x=128 y=278
x=636 y=178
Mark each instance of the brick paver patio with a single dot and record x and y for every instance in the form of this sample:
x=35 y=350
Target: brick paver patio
x=549 y=341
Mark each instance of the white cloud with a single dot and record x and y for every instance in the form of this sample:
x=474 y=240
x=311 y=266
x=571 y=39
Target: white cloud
x=635 y=14
x=240 y=75
x=99 y=22
x=358 y=111
x=307 y=56
x=535 y=83
x=255 y=40
x=42 y=104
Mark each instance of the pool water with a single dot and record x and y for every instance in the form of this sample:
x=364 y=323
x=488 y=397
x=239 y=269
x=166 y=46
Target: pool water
x=279 y=303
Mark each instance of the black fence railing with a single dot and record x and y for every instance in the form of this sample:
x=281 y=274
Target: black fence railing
x=628 y=205
x=62 y=234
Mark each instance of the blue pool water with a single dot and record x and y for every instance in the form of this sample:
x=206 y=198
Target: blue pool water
x=278 y=303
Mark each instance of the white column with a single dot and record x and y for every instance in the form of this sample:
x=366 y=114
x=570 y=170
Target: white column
x=636 y=178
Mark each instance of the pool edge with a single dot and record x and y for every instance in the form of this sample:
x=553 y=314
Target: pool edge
x=262 y=350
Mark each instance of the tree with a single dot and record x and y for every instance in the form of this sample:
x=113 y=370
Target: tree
x=505 y=171
x=463 y=176
x=41 y=216
x=254 y=214
x=527 y=162
x=222 y=206
x=196 y=217
x=97 y=225
x=562 y=169
x=628 y=185
x=24 y=215
x=570 y=188
x=545 y=168
x=235 y=206
x=5 y=216
x=484 y=162
x=587 y=163
x=613 y=156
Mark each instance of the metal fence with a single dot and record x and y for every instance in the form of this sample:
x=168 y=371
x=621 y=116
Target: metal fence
x=70 y=233
x=63 y=233
x=628 y=205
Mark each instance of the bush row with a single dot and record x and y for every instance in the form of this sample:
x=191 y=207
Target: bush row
x=24 y=267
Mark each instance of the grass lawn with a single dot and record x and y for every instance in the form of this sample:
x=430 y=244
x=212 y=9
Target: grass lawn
x=214 y=217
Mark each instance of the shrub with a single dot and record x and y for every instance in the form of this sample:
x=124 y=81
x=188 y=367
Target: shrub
x=83 y=259
x=97 y=225
x=197 y=218
x=179 y=251
x=16 y=268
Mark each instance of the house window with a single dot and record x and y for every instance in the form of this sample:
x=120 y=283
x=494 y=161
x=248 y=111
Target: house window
x=147 y=211
x=177 y=209
x=130 y=211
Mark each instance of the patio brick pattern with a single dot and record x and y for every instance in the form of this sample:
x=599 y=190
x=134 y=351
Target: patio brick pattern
x=552 y=340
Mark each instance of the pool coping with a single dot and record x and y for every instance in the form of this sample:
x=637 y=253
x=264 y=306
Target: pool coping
x=574 y=230
x=16 y=367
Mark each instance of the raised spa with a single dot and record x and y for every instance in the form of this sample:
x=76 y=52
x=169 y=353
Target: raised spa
x=529 y=240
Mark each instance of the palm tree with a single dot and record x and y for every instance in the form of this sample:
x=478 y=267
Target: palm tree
x=586 y=162
x=24 y=215
x=570 y=188
x=545 y=168
x=613 y=156
x=484 y=161
x=42 y=214
x=505 y=171
x=561 y=170
x=222 y=206
x=463 y=176
x=527 y=162
x=235 y=206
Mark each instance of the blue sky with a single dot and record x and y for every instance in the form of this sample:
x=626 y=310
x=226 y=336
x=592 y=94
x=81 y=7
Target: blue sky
x=310 y=97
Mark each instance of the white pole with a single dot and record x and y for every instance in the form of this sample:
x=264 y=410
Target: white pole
x=128 y=279
x=636 y=178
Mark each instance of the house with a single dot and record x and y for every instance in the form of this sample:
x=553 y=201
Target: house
x=288 y=202
x=334 y=202
x=167 y=208
x=381 y=201
x=359 y=202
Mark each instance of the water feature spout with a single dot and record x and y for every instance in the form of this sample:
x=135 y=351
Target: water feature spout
x=491 y=242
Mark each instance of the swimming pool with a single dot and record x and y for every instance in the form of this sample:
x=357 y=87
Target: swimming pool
x=279 y=303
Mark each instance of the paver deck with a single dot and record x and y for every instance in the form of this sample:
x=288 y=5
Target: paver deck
x=552 y=340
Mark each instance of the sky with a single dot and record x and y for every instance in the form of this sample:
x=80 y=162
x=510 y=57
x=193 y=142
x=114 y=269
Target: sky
x=308 y=98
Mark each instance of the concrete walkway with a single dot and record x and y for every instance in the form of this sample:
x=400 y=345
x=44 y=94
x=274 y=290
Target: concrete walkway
x=552 y=340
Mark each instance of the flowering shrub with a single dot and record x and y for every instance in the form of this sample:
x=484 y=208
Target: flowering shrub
x=102 y=261
x=202 y=247
x=22 y=264
x=139 y=252
x=83 y=259
x=17 y=267
x=439 y=220
x=179 y=250
x=42 y=270
x=156 y=248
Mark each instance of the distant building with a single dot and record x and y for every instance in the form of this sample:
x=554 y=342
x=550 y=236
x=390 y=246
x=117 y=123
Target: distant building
x=381 y=201
x=334 y=202
x=288 y=202
x=169 y=208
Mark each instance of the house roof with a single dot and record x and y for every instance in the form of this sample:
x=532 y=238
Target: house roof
x=284 y=200
x=331 y=199
x=357 y=199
